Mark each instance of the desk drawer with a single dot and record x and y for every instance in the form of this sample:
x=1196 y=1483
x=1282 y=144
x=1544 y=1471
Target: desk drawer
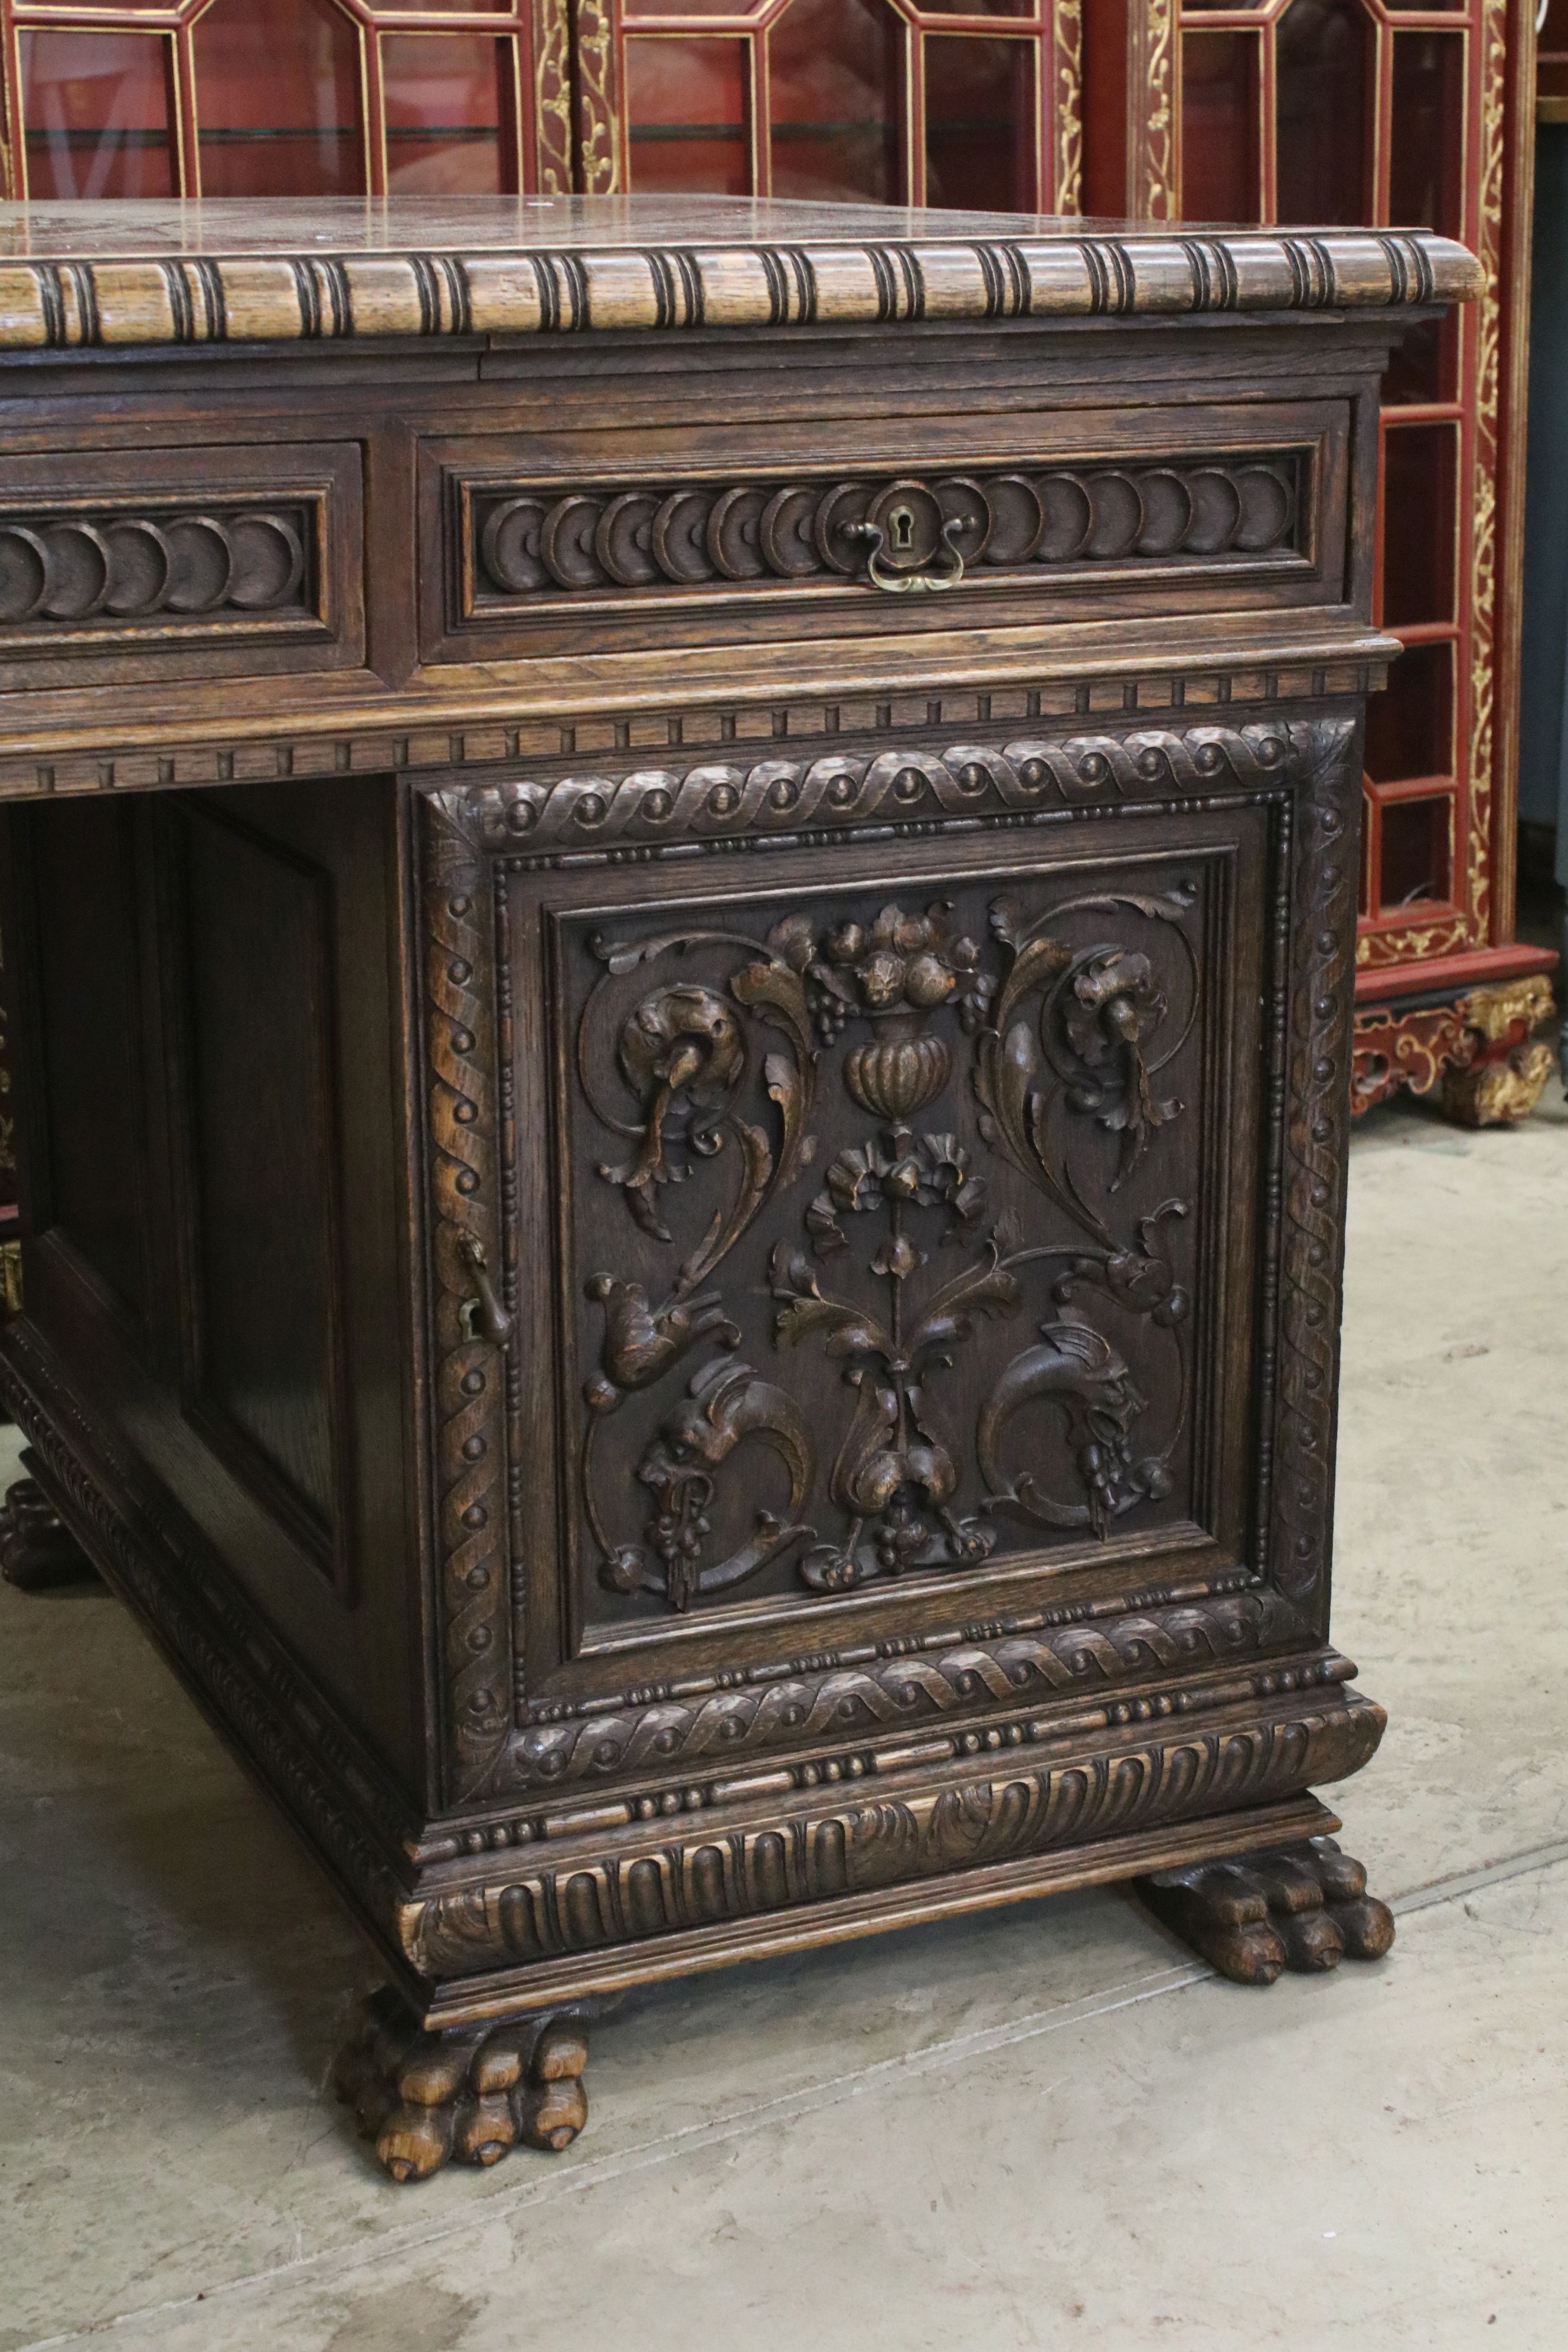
x=189 y=562
x=552 y=547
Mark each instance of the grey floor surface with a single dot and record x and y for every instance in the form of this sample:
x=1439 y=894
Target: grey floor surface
x=1046 y=2128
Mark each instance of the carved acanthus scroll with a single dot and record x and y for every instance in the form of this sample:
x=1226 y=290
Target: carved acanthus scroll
x=1065 y=1025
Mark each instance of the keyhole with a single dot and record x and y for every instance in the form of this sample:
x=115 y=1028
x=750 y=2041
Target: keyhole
x=901 y=522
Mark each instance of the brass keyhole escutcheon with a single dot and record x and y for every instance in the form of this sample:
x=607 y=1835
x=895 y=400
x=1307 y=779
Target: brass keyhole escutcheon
x=901 y=529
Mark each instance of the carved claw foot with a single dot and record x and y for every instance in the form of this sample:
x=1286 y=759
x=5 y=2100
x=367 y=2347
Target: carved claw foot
x=1302 y=1906
x=467 y=2094
x=1503 y=1074
x=36 y=1550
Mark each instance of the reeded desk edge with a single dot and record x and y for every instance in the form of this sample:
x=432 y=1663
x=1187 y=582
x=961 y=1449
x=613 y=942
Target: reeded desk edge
x=328 y=290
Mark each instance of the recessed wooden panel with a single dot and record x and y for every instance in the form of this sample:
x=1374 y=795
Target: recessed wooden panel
x=886 y=1257
x=267 y=1356
x=83 y=952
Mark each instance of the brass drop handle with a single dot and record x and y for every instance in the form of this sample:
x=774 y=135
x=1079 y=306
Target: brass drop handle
x=899 y=531
x=483 y=1317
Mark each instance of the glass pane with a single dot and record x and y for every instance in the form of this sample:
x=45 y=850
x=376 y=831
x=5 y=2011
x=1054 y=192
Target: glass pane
x=980 y=124
x=443 y=112
x=1420 y=467
x=1417 y=852
x=97 y=111
x=1424 y=365
x=654 y=9
x=278 y=99
x=974 y=7
x=1425 y=159
x=837 y=78
x=1325 y=128
x=686 y=105
x=1219 y=127
x=1410 y=725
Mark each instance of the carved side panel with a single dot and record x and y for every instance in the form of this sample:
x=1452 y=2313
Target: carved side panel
x=552 y=97
x=870 y=1237
x=877 y=1227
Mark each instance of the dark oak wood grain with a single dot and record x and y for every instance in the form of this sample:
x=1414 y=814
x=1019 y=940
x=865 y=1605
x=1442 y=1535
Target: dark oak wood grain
x=685 y=1228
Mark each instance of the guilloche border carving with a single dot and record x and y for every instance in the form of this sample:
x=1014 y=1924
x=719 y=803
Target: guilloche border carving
x=721 y=800
x=496 y=1744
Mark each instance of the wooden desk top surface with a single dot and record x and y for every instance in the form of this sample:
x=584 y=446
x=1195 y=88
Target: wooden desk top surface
x=128 y=272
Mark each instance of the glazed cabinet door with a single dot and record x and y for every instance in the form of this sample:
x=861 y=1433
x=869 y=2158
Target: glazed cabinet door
x=851 y=1230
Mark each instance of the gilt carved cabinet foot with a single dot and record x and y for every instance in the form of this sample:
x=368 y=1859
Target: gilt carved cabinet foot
x=683 y=1092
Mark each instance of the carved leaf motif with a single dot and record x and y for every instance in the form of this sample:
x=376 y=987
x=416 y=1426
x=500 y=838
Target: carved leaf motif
x=988 y=1289
x=851 y=1331
x=757 y=1161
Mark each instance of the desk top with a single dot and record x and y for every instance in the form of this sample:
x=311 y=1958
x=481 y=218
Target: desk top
x=129 y=272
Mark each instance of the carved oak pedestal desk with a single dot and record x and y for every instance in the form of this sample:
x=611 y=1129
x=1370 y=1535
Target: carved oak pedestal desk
x=681 y=919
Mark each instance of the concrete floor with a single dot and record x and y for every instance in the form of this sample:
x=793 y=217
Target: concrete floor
x=1048 y=2128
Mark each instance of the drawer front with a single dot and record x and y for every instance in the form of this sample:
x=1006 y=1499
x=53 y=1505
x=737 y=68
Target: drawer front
x=874 y=1231
x=997 y=520
x=186 y=563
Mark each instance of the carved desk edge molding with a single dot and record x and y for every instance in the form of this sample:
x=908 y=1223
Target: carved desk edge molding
x=490 y=732
x=69 y=303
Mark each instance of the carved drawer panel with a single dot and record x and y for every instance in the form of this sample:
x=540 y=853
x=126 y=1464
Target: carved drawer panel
x=184 y=555
x=1212 y=505
x=539 y=542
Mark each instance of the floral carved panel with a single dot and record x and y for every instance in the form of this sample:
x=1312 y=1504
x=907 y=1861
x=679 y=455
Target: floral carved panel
x=883 y=1228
